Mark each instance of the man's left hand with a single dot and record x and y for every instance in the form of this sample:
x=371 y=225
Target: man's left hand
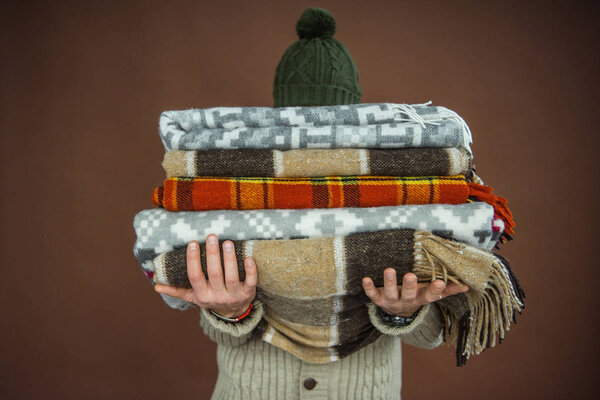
x=406 y=299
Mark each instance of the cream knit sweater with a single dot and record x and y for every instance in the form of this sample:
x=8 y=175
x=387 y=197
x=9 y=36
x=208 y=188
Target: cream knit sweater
x=250 y=368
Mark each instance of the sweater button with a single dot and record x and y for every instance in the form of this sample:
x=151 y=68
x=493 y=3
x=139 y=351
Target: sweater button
x=310 y=383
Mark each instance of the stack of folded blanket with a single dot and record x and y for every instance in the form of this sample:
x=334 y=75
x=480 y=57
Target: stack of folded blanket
x=324 y=196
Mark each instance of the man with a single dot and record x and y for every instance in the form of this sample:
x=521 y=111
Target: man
x=316 y=70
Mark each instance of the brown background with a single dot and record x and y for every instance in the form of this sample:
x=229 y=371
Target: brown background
x=83 y=84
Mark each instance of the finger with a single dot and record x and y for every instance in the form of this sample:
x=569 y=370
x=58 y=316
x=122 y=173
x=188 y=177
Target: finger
x=455 y=288
x=194 y=268
x=213 y=264
x=251 y=275
x=232 y=276
x=409 y=288
x=390 y=284
x=180 y=293
x=434 y=291
x=372 y=291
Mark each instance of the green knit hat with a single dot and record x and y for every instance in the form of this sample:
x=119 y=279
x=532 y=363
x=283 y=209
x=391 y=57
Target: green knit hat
x=317 y=70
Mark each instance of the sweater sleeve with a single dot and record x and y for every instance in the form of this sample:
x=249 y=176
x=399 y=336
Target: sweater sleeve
x=228 y=333
x=424 y=332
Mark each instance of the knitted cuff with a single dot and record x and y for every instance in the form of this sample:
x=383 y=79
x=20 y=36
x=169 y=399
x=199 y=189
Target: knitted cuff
x=236 y=329
x=387 y=329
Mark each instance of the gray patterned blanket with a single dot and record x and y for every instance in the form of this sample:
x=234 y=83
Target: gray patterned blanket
x=159 y=230
x=378 y=125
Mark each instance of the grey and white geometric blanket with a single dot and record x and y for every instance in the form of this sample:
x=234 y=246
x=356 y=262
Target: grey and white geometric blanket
x=159 y=231
x=378 y=125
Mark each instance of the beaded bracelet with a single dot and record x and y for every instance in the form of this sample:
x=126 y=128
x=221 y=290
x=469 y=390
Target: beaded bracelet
x=397 y=321
x=237 y=319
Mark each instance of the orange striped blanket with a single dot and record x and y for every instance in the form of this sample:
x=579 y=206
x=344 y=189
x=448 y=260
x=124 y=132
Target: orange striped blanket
x=227 y=193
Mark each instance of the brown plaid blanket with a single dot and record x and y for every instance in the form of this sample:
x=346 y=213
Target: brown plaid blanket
x=427 y=161
x=316 y=308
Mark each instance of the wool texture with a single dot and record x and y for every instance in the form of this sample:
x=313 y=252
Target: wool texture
x=379 y=125
x=235 y=193
x=248 y=193
x=374 y=372
x=158 y=230
x=318 y=162
x=315 y=305
x=317 y=69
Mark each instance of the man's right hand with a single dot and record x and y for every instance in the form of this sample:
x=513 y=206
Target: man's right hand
x=227 y=297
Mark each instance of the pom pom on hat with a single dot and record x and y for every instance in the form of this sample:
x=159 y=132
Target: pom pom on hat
x=316 y=23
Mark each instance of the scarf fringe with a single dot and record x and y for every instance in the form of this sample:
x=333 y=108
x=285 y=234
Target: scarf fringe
x=504 y=238
x=500 y=204
x=490 y=311
x=408 y=113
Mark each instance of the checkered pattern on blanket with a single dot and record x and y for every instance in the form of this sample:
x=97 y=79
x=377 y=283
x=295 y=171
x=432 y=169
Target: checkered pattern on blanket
x=381 y=125
x=158 y=230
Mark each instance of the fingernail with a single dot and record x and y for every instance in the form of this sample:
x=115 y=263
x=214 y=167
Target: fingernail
x=192 y=246
x=389 y=275
x=158 y=288
x=228 y=246
x=212 y=239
